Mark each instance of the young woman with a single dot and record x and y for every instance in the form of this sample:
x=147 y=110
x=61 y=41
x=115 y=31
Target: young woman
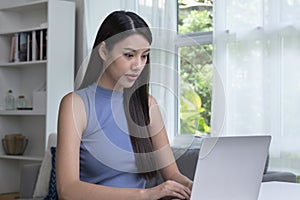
x=111 y=136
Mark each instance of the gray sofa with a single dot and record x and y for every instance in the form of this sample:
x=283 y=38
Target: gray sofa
x=186 y=153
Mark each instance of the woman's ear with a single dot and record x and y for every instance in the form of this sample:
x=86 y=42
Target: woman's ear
x=103 y=51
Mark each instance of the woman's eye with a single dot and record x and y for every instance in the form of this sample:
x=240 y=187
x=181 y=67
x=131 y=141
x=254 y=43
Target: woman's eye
x=128 y=55
x=144 y=56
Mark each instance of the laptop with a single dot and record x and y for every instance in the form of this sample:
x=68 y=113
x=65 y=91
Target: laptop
x=230 y=168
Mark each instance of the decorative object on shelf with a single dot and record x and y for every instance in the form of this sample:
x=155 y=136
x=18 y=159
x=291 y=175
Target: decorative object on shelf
x=14 y=144
x=9 y=100
x=39 y=98
x=22 y=103
x=39 y=101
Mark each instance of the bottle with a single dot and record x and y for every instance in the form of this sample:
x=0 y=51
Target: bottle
x=21 y=102
x=9 y=101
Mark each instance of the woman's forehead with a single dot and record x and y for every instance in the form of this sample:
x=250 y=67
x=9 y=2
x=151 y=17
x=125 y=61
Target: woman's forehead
x=134 y=42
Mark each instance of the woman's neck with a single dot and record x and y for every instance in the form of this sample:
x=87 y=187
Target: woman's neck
x=108 y=84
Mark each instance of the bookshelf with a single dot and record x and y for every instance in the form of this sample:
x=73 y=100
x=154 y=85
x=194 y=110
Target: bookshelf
x=20 y=112
x=47 y=69
x=26 y=158
x=22 y=64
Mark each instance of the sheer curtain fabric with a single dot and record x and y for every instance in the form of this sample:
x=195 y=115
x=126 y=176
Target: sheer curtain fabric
x=256 y=82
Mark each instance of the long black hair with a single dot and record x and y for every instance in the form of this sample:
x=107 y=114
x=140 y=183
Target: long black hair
x=117 y=26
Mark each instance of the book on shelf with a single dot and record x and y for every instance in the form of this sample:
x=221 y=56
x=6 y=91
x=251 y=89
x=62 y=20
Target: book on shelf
x=16 y=51
x=41 y=37
x=28 y=57
x=12 y=48
x=34 y=46
x=44 y=44
x=41 y=44
x=28 y=46
x=23 y=51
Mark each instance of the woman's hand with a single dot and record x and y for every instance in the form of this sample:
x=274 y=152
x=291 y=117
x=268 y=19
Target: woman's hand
x=168 y=190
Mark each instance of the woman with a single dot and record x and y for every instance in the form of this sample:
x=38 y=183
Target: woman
x=111 y=137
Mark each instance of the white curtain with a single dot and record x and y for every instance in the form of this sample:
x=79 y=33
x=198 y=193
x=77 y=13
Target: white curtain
x=257 y=74
x=161 y=17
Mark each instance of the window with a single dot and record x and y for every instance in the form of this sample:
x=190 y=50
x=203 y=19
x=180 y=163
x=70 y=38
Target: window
x=193 y=48
x=258 y=48
x=194 y=45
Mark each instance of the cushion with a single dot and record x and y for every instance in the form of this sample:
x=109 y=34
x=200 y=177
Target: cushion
x=29 y=174
x=52 y=192
x=266 y=165
x=42 y=183
x=186 y=160
x=41 y=187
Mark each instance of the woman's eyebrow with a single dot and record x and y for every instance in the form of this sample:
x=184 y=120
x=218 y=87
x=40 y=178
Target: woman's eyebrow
x=134 y=50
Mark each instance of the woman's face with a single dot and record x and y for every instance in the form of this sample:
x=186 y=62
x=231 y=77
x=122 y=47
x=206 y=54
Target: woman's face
x=125 y=62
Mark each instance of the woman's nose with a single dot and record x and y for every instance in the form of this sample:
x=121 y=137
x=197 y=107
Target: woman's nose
x=137 y=64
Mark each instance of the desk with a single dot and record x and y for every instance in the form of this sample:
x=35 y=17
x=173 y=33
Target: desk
x=279 y=191
x=269 y=191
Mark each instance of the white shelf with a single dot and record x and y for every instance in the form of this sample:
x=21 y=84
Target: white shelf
x=22 y=157
x=9 y=32
x=27 y=7
x=21 y=112
x=23 y=63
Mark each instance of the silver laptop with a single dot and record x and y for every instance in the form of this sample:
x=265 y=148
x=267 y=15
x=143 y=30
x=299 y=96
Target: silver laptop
x=230 y=168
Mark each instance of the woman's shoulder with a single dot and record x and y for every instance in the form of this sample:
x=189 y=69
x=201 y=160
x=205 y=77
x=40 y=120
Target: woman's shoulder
x=151 y=100
x=70 y=98
x=72 y=106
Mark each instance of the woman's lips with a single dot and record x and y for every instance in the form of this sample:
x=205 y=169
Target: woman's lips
x=132 y=77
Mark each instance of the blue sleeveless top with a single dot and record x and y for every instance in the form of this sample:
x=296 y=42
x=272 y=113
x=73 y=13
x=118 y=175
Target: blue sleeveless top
x=106 y=154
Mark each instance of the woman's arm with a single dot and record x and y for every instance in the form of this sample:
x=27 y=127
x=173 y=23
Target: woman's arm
x=71 y=123
x=164 y=154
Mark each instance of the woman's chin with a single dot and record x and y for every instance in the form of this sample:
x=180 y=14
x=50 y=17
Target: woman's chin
x=125 y=85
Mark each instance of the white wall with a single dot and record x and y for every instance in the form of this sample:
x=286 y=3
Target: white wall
x=88 y=20
x=95 y=17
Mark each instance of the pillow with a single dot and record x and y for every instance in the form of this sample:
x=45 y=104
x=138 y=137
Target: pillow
x=266 y=165
x=41 y=186
x=52 y=192
x=42 y=183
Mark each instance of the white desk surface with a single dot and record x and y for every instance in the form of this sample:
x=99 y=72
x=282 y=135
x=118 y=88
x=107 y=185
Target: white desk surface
x=271 y=191
x=279 y=191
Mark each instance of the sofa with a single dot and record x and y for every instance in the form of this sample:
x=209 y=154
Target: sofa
x=185 y=150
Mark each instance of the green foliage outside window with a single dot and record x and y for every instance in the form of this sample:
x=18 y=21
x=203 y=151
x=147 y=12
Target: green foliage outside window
x=196 y=73
x=196 y=21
